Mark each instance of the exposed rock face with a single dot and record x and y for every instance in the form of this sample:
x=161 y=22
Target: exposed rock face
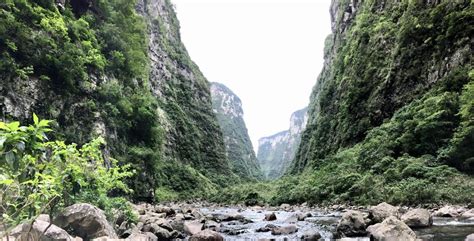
x=391 y=229
x=276 y=152
x=228 y=109
x=417 y=218
x=53 y=232
x=192 y=133
x=85 y=221
x=391 y=66
x=184 y=127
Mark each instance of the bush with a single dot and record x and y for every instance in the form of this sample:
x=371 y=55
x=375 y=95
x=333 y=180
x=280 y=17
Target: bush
x=40 y=176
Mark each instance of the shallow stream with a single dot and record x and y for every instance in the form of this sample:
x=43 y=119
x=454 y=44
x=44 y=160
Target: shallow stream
x=443 y=229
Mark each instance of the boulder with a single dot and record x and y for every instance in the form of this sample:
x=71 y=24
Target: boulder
x=270 y=217
x=193 y=227
x=303 y=216
x=85 y=221
x=44 y=218
x=418 y=218
x=284 y=230
x=28 y=232
x=142 y=237
x=449 y=211
x=104 y=238
x=228 y=217
x=197 y=214
x=468 y=214
x=391 y=229
x=167 y=210
x=266 y=228
x=311 y=236
x=470 y=237
x=285 y=206
x=292 y=219
x=207 y=235
x=160 y=232
x=382 y=211
x=179 y=217
x=352 y=224
x=212 y=225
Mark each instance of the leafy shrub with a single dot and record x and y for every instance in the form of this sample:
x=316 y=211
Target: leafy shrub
x=41 y=176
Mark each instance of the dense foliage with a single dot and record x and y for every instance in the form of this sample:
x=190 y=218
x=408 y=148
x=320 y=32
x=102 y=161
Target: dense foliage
x=38 y=175
x=391 y=117
x=87 y=65
x=382 y=58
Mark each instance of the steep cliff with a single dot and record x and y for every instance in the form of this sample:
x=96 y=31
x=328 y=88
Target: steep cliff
x=391 y=115
x=117 y=69
x=276 y=152
x=382 y=56
x=228 y=109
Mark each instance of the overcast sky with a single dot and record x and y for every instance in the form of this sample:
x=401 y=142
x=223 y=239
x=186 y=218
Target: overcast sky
x=269 y=52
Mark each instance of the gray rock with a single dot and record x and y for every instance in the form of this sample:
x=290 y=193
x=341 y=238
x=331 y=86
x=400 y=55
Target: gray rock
x=179 y=217
x=391 y=229
x=197 y=214
x=285 y=206
x=382 y=211
x=142 y=237
x=417 y=218
x=162 y=209
x=352 y=224
x=311 y=236
x=26 y=232
x=266 y=228
x=207 y=235
x=270 y=217
x=285 y=230
x=160 y=232
x=44 y=217
x=85 y=221
x=449 y=211
x=470 y=237
x=212 y=225
x=228 y=217
x=468 y=214
x=193 y=227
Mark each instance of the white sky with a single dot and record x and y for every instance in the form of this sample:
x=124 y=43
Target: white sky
x=269 y=52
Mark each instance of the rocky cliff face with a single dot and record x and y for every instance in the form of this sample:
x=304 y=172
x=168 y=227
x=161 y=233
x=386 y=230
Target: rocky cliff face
x=116 y=69
x=381 y=57
x=192 y=133
x=228 y=109
x=276 y=152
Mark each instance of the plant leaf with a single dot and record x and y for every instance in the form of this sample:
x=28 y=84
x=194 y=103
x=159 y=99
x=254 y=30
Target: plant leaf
x=35 y=119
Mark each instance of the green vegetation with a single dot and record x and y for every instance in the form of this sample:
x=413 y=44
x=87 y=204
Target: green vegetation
x=39 y=175
x=392 y=113
x=87 y=67
x=228 y=109
x=389 y=56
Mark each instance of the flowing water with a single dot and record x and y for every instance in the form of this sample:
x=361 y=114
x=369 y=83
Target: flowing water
x=443 y=229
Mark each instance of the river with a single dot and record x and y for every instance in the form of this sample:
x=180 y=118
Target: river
x=324 y=222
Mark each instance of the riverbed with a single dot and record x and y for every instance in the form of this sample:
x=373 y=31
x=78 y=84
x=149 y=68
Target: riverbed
x=324 y=222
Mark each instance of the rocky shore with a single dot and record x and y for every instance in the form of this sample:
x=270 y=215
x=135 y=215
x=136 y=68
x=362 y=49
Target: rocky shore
x=204 y=221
